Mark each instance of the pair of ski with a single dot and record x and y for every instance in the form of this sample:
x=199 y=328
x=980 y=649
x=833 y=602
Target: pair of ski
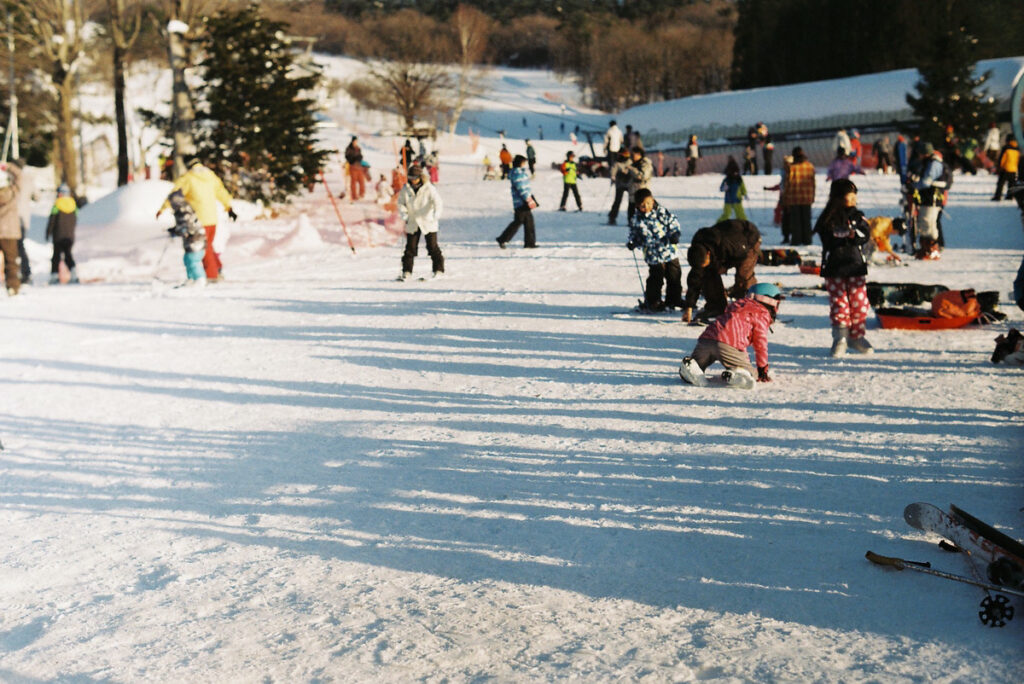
x=1003 y=555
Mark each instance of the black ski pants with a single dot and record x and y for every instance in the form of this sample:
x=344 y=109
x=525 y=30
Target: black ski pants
x=566 y=189
x=671 y=275
x=412 y=247
x=62 y=250
x=523 y=217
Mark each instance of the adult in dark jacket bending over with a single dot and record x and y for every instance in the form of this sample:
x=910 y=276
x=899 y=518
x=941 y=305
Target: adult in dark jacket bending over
x=713 y=251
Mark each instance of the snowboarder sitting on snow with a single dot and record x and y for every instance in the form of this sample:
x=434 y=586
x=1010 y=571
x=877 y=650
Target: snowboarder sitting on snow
x=654 y=229
x=419 y=205
x=745 y=322
x=61 y=228
x=193 y=237
x=713 y=251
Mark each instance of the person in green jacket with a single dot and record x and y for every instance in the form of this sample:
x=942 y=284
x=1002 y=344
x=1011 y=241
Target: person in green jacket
x=569 y=182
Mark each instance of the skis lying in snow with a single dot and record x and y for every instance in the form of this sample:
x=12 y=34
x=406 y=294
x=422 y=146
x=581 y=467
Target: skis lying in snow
x=966 y=531
x=1003 y=555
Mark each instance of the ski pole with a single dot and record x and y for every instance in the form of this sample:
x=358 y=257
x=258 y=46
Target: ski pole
x=636 y=263
x=901 y=564
x=156 y=269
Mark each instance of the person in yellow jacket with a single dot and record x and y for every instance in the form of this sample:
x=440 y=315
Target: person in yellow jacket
x=1009 y=165
x=203 y=189
x=568 y=170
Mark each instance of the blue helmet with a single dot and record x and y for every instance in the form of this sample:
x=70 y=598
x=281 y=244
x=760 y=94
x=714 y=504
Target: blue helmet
x=766 y=289
x=767 y=294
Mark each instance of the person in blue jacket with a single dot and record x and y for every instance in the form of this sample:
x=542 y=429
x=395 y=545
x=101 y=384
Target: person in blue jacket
x=655 y=229
x=522 y=199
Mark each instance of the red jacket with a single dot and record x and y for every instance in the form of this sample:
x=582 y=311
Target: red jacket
x=744 y=323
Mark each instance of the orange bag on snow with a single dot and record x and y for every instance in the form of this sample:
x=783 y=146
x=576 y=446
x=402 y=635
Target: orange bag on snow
x=956 y=304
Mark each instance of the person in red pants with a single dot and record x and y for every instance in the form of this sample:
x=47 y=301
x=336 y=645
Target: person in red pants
x=203 y=190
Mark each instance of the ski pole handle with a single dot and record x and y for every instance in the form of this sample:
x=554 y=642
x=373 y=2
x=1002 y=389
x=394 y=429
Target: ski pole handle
x=897 y=563
x=884 y=560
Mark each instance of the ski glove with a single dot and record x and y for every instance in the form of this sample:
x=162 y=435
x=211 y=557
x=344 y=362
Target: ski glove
x=232 y=215
x=630 y=246
x=762 y=374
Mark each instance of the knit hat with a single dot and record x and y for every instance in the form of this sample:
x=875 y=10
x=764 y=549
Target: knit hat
x=416 y=172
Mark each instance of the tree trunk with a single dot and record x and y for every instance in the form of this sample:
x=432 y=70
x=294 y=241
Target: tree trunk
x=123 y=170
x=65 y=138
x=183 y=113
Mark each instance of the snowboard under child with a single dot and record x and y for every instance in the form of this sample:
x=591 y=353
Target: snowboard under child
x=745 y=322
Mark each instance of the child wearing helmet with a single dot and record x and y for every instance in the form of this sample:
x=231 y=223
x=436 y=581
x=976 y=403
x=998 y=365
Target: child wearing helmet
x=745 y=322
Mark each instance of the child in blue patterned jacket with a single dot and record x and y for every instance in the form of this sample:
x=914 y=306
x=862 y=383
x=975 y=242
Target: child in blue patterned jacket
x=654 y=229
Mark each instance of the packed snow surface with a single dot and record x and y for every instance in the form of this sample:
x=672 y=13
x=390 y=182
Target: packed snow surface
x=311 y=472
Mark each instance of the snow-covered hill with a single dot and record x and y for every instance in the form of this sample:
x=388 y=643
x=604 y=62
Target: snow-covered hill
x=311 y=472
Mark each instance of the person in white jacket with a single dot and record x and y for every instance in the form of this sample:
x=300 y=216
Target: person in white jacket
x=612 y=143
x=419 y=205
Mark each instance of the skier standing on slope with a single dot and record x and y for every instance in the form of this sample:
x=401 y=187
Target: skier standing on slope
x=419 y=205
x=745 y=322
x=654 y=229
x=843 y=230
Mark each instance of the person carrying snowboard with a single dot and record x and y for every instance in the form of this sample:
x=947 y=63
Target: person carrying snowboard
x=745 y=322
x=654 y=229
x=60 y=227
x=843 y=231
x=419 y=205
x=193 y=238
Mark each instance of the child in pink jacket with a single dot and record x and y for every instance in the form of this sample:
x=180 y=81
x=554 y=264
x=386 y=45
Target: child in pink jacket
x=745 y=322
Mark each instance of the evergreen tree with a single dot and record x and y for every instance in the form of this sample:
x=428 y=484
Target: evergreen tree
x=948 y=92
x=256 y=116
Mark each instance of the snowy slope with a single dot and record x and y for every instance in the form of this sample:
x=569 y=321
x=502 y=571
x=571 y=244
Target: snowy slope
x=311 y=472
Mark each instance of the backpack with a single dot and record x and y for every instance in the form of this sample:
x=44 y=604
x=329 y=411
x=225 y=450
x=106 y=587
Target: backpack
x=956 y=304
x=947 y=175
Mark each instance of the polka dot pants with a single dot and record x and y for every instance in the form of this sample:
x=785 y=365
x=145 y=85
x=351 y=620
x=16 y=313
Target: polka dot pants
x=848 y=303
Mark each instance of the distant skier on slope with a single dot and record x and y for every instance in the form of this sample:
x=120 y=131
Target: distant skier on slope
x=745 y=322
